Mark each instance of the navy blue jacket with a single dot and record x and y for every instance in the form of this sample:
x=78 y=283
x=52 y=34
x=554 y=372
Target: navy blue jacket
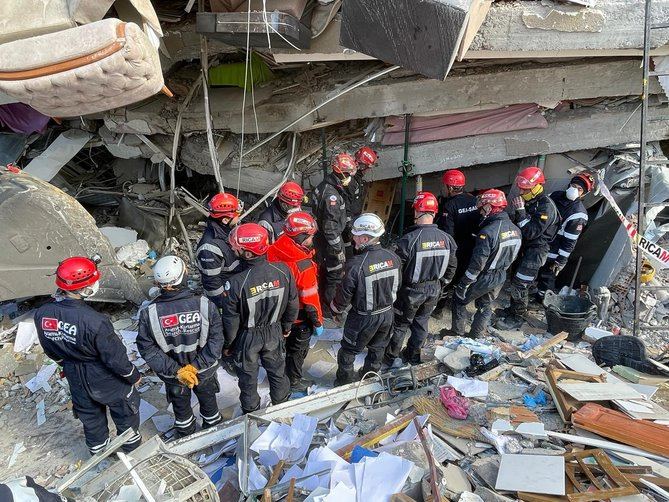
x=215 y=259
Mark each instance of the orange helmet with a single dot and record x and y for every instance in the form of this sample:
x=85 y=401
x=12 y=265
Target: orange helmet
x=225 y=205
x=425 y=202
x=530 y=177
x=344 y=163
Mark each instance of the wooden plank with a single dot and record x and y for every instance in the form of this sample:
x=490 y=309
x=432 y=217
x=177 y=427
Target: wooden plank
x=275 y=474
x=615 y=425
x=477 y=14
x=541 y=349
x=291 y=490
x=565 y=404
x=378 y=434
x=635 y=479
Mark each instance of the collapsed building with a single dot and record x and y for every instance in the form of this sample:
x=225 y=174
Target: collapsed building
x=123 y=117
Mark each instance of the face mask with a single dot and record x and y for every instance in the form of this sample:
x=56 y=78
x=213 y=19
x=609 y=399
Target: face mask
x=572 y=193
x=533 y=193
x=91 y=290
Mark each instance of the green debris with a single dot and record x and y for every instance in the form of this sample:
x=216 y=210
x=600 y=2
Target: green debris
x=233 y=73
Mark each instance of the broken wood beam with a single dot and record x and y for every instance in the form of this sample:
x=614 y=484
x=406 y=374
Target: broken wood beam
x=377 y=434
x=539 y=350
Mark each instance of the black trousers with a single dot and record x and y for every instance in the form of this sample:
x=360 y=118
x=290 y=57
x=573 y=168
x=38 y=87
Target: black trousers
x=547 y=279
x=90 y=406
x=254 y=346
x=297 y=348
x=482 y=292
x=360 y=331
x=413 y=308
x=531 y=260
x=330 y=275
x=180 y=397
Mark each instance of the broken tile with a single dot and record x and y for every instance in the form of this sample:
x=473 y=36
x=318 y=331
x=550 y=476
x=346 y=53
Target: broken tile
x=531 y=473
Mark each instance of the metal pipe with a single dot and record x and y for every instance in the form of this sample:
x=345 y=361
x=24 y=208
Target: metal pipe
x=318 y=107
x=405 y=172
x=642 y=167
x=135 y=477
x=189 y=248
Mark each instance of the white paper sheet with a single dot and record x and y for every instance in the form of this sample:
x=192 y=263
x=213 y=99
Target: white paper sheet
x=285 y=442
x=26 y=336
x=359 y=360
x=41 y=380
x=338 y=494
x=380 y=477
x=163 y=423
x=256 y=480
x=469 y=387
x=321 y=368
x=146 y=411
x=41 y=413
x=229 y=393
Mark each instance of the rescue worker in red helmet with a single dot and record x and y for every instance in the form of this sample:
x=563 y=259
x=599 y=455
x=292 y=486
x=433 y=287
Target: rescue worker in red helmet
x=539 y=221
x=497 y=244
x=260 y=305
x=329 y=204
x=288 y=200
x=428 y=265
x=295 y=248
x=574 y=218
x=366 y=159
x=215 y=259
x=92 y=356
x=181 y=339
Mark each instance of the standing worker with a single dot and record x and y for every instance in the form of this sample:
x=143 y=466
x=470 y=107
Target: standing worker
x=181 y=338
x=215 y=259
x=539 y=221
x=574 y=218
x=357 y=190
x=288 y=200
x=260 y=306
x=330 y=209
x=497 y=244
x=295 y=249
x=370 y=287
x=93 y=358
x=428 y=264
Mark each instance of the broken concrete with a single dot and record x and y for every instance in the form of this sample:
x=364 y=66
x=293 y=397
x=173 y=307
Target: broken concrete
x=463 y=90
x=585 y=20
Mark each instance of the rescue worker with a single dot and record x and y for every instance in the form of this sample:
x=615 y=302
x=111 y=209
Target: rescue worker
x=498 y=242
x=574 y=218
x=295 y=249
x=330 y=210
x=370 y=287
x=357 y=190
x=25 y=489
x=539 y=221
x=459 y=217
x=259 y=308
x=215 y=259
x=288 y=200
x=92 y=356
x=429 y=261
x=181 y=339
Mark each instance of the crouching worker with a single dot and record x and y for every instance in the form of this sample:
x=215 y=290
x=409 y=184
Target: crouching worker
x=181 y=338
x=370 y=285
x=295 y=248
x=93 y=358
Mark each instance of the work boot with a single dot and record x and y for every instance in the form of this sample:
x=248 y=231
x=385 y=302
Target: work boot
x=444 y=332
x=410 y=358
x=510 y=322
x=300 y=385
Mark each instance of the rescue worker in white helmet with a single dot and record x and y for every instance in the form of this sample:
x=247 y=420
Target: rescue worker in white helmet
x=93 y=358
x=371 y=281
x=181 y=339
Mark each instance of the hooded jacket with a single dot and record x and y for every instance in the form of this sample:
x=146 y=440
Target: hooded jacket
x=304 y=271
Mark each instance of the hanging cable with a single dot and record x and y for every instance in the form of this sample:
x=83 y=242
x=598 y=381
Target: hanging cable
x=246 y=76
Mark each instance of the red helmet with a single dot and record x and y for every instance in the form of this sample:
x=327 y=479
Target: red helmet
x=425 y=202
x=249 y=237
x=586 y=180
x=76 y=273
x=453 y=178
x=493 y=198
x=291 y=193
x=366 y=156
x=344 y=163
x=299 y=222
x=224 y=205
x=530 y=177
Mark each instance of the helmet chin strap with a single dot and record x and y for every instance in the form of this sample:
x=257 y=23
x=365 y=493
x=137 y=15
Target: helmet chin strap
x=536 y=191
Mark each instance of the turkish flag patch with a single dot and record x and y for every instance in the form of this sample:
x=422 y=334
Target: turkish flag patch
x=49 y=324
x=167 y=321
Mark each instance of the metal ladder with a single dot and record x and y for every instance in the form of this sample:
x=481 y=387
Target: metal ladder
x=644 y=161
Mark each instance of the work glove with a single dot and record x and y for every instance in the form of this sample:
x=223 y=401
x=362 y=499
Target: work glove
x=318 y=330
x=187 y=375
x=461 y=291
x=556 y=267
x=518 y=203
x=341 y=257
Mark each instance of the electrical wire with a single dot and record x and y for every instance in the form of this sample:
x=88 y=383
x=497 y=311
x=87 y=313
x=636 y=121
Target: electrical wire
x=246 y=76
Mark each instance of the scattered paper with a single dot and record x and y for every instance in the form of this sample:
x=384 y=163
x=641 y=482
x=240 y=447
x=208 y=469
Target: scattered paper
x=337 y=494
x=359 y=361
x=333 y=350
x=285 y=442
x=229 y=394
x=163 y=423
x=26 y=336
x=41 y=413
x=321 y=368
x=531 y=473
x=377 y=478
x=146 y=411
x=256 y=480
x=18 y=448
x=469 y=387
x=41 y=380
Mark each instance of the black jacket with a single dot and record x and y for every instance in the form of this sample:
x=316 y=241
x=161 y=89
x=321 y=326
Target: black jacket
x=574 y=218
x=329 y=201
x=497 y=245
x=272 y=219
x=539 y=222
x=459 y=218
x=427 y=254
x=180 y=328
x=262 y=294
x=371 y=281
x=215 y=259
x=84 y=343
x=355 y=193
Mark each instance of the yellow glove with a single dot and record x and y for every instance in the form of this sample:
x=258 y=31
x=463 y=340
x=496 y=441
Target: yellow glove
x=188 y=376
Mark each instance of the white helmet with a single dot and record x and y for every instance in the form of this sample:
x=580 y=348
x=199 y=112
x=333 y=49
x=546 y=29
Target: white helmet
x=169 y=271
x=368 y=224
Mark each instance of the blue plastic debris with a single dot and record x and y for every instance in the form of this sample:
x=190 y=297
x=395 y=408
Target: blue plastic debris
x=359 y=453
x=538 y=399
x=530 y=343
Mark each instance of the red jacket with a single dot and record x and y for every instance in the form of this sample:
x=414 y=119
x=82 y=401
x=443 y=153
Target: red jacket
x=304 y=271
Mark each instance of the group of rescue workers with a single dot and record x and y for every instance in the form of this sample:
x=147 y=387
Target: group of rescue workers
x=269 y=285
